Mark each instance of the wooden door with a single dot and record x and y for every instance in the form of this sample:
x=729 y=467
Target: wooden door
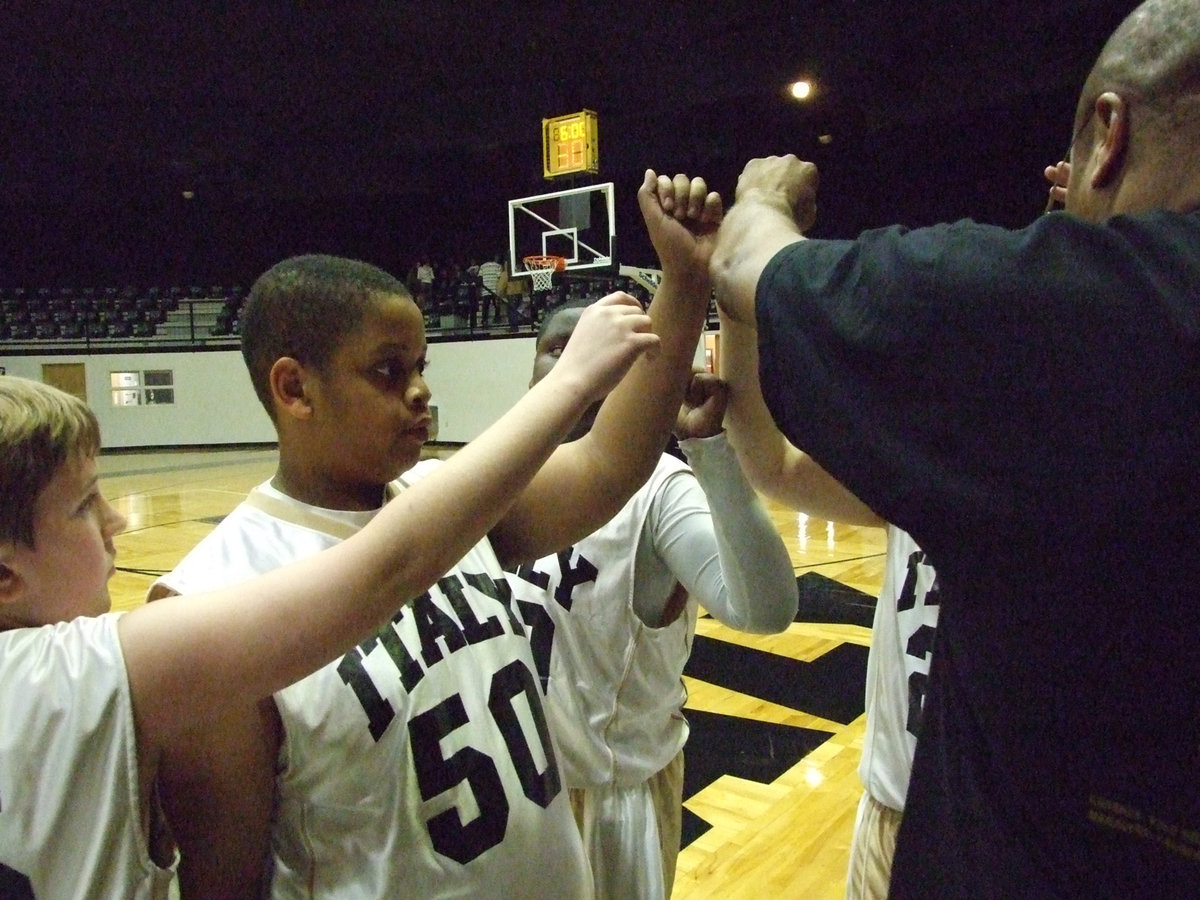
x=67 y=377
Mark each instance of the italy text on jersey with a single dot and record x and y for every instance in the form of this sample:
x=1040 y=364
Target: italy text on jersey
x=511 y=690
x=571 y=573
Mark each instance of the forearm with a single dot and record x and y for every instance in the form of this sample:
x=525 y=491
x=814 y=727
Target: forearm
x=753 y=586
x=772 y=464
x=761 y=446
x=755 y=229
x=634 y=423
x=587 y=481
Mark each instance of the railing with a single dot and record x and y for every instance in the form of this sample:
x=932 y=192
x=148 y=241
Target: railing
x=88 y=322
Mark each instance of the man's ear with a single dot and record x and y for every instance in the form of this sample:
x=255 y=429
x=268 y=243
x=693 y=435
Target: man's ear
x=1112 y=139
x=288 y=380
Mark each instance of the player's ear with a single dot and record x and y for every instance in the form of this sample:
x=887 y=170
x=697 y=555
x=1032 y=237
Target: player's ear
x=1112 y=138
x=288 y=380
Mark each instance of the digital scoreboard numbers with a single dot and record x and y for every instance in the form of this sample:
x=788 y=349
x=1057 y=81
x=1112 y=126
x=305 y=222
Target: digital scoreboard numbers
x=569 y=144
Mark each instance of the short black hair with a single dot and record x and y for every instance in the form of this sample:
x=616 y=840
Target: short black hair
x=574 y=303
x=304 y=307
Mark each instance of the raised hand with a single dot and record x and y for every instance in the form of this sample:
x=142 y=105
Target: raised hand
x=703 y=408
x=1058 y=175
x=786 y=182
x=611 y=334
x=682 y=216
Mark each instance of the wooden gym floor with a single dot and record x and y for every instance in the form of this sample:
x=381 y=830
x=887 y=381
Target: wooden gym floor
x=777 y=726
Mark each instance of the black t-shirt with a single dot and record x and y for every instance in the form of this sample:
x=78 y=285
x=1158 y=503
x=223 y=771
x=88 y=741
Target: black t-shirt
x=1027 y=405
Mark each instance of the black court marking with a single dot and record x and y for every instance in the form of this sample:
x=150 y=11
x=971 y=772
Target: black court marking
x=830 y=687
x=692 y=825
x=827 y=601
x=730 y=745
x=211 y=520
x=822 y=599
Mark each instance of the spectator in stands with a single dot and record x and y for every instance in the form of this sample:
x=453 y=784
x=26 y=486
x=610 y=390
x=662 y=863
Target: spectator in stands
x=514 y=290
x=425 y=277
x=489 y=280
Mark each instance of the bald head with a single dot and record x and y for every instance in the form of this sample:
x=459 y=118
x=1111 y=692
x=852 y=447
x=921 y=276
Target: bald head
x=1137 y=124
x=1154 y=55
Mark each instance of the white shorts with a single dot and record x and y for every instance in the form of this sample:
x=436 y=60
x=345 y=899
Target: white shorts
x=625 y=828
x=871 y=850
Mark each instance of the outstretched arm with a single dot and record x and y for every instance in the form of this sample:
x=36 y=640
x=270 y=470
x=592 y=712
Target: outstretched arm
x=190 y=659
x=774 y=204
x=712 y=531
x=773 y=465
x=587 y=481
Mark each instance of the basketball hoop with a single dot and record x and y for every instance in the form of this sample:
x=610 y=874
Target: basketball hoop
x=542 y=269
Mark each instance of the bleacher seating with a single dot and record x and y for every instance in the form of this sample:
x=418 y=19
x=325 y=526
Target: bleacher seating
x=176 y=315
x=129 y=316
x=228 y=318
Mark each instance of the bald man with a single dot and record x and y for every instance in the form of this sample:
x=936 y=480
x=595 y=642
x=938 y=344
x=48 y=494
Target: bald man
x=1026 y=404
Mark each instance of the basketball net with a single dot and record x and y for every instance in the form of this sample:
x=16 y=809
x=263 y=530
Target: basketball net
x=542 y=269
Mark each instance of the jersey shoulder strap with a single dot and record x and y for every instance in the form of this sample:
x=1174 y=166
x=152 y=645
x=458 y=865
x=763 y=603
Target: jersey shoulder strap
x=308 y=517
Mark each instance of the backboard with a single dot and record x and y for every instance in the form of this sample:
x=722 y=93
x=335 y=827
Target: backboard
x=577 y=224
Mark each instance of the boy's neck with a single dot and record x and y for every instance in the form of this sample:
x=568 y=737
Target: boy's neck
x=327 y=495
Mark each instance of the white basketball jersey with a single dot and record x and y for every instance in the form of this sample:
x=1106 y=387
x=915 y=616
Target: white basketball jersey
x=419 y=764
x=898 y=668
x=70 y=814
x=615 y=692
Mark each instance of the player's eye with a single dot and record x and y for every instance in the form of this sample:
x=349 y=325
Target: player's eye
x=391 y=371
x=394 y=372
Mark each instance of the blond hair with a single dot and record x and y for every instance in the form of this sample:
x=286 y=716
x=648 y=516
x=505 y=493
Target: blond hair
x=41 y=428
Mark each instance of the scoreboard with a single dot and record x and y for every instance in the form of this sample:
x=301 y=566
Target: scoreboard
x=570 y=144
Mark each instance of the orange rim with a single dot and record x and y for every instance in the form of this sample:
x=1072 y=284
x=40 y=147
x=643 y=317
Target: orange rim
x=557 y=263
